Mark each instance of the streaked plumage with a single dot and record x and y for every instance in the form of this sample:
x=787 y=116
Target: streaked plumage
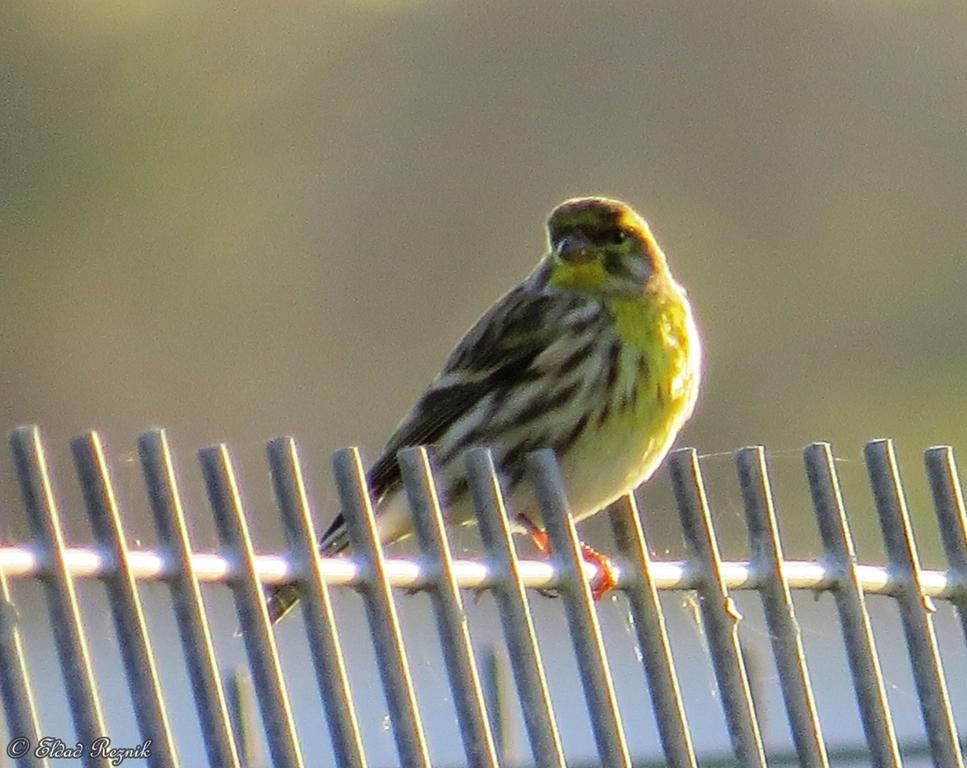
x=595 y=355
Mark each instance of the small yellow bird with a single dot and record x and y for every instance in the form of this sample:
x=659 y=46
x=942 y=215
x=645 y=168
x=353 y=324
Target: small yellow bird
x=595 y=355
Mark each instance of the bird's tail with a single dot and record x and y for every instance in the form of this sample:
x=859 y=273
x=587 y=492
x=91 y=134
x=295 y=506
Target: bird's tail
x=282 y=598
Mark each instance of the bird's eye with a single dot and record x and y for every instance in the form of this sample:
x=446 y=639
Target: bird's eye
x=618 y=237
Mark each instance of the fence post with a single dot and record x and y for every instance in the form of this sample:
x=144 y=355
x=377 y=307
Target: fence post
x=916 y=609
x=320 y=622
x=226 y=503
x=515 y=615
x=854 y=620
x=948 y=500
x=581 y=617
x=65 y=613
x=649 y=623
x=779 y=610
x=384 y=624
x=164 y=497
x=721 y=617
x=132 y=634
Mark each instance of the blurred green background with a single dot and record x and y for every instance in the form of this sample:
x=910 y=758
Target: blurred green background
x=240 y=222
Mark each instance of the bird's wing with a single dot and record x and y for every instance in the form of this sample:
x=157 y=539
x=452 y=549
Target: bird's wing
x=495 y=356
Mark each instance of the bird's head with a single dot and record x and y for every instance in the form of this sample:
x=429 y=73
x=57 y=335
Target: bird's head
x=602 y=246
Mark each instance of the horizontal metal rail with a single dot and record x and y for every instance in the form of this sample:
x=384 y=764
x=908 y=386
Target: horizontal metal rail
x=412 y=575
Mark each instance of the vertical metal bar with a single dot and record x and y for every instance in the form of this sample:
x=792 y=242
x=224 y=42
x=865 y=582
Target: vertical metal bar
x=478 y=740
x=854 y=620
x=239 y=696
x=777 y=604
x=649 y=624
x=290 y=493
x=142 y=673
x=508 y=589
x=915 y=607
x=166 y=506
x=948 y=500
x=581 y=617
x=494 y=682
x=18 y=698
x=720 y=615
x=384 y=624
x=226 y=503
x=65 y=615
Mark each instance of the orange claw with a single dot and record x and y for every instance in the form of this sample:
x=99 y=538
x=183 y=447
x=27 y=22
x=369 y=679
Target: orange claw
x=539 y=539
x=607 y=576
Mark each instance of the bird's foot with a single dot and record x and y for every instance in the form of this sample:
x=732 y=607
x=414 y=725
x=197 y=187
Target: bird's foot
x=606 y=578
x=540 y=540
x=543 y=545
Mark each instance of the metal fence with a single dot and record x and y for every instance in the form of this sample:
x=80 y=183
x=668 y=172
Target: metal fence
x=49 y=559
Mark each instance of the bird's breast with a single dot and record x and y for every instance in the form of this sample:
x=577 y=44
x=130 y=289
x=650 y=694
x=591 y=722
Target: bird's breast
x=653 y=394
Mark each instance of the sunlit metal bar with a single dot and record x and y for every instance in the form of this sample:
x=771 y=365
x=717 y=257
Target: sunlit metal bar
x=478 y=740
x=582 y=619
x=668 y=575
x=915 y=608
x=508 y=589
x=263 y=656
x=165 y=500
x=649 y=626
x=854 y=620
x=323 y=637
x=720 y=615
x=779 y=611
x=65 y=615
x=948 y=499
x=394 y=670
x=18 y=698
x=129 y=624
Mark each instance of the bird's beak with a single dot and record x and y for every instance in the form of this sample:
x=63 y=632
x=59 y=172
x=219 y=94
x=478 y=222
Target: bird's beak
x=574 y=249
